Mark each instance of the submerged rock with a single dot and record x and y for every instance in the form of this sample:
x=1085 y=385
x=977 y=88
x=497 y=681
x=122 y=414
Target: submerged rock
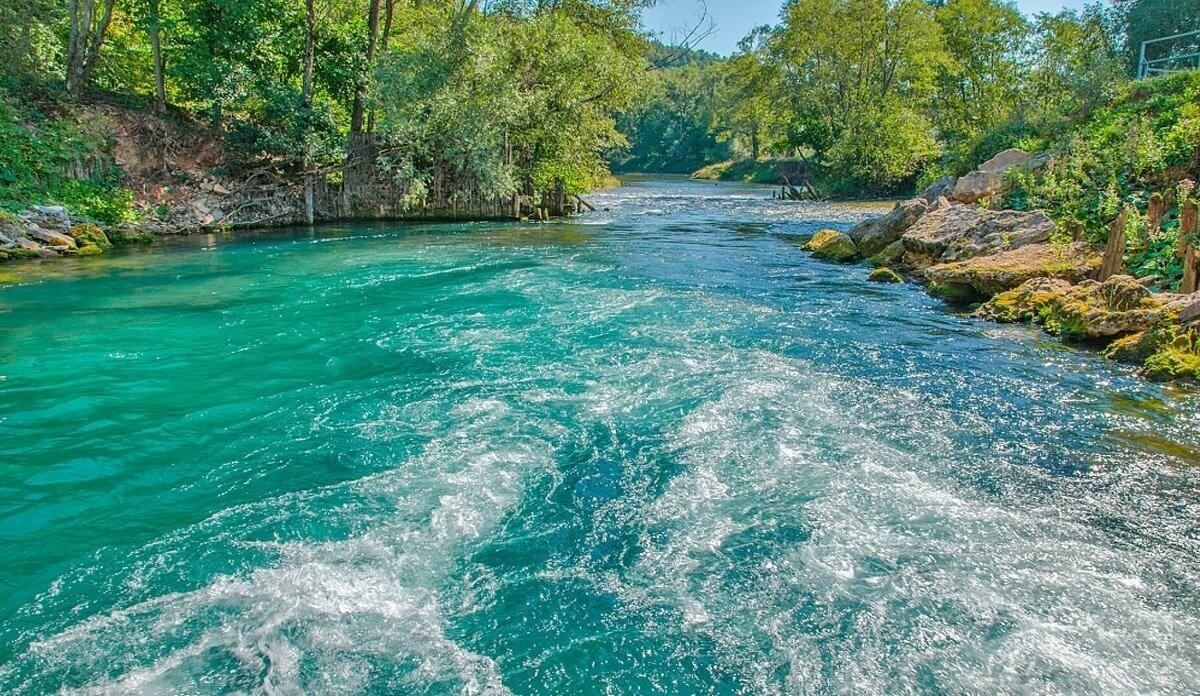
x=985 y=276
x=832 y=245
x=874 y=235
x=884 y=274
x=961 y=232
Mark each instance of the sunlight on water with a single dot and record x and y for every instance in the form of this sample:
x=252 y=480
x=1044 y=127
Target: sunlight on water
x=656 y=449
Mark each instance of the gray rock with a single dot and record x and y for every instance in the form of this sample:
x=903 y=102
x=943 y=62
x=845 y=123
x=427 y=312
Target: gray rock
x=989 y=179
x=939 y=188
x=52 y=217
x=872 y=236
x=962 y=232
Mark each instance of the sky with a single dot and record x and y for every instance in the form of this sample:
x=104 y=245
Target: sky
x=735 y=18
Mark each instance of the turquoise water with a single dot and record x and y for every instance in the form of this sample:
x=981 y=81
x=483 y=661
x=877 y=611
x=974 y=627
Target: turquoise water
x=657 y=450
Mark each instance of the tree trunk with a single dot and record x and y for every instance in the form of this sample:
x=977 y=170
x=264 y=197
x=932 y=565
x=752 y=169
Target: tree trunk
x=358 y=112
x=389 y=9
x=160 y=85
x=754 y=144
x=85 y=40
x=310 y=51
x=306 y=96
x=309 y=213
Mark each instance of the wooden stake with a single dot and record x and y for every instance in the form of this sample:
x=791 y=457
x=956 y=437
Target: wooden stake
x=1114 y=253
x=1191 y=260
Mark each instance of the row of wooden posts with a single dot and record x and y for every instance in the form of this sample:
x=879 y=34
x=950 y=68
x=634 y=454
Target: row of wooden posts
x=1156 y=210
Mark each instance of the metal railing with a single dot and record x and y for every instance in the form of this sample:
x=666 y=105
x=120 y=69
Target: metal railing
x=1175 y=61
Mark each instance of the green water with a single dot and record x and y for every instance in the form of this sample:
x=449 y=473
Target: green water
x=657 y=450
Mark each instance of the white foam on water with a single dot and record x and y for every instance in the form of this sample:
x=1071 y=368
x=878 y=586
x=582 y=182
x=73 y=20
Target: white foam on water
x=321 y=617
x=940 y=584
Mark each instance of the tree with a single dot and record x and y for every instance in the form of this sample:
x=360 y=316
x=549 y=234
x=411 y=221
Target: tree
x=980 y=85
x=860 y=75
x=749 y=85
x=89 y=22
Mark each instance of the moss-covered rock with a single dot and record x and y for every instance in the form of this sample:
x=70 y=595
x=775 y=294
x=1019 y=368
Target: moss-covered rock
x=833 y=246
x=24 y=253
x=1026 y=302
x=990 y=275
x=1175 y=357
x=87 y=234
x=891 y=255
x=955 y=294
x=884 y=274
x=1136 y=348
x=89 y=250
x=126 y=235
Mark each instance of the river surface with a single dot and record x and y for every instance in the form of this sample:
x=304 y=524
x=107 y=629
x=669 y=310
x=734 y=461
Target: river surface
x=657 y=449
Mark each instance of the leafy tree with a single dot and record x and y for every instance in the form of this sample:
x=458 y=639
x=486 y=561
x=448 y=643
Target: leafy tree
x=861 y=74
x=980 y=87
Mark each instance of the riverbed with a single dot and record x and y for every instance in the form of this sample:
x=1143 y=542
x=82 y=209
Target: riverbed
x=654 y=449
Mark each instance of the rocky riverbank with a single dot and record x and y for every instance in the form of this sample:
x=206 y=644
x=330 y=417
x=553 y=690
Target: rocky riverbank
x=49 y=232
x=1016 y=266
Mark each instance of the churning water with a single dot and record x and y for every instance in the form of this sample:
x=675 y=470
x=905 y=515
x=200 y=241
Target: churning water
x=655 y=450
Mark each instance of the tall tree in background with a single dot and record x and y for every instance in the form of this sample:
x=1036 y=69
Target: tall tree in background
x=89 y=22
x=748 y=96
x=861 y=75
x=1144 y=20
x=980 y=85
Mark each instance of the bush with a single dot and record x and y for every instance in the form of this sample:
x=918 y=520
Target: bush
x=36 y=154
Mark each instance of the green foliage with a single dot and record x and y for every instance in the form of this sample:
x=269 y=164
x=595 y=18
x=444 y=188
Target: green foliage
x=672 y=126
x=36 y=154
x=1119 y=155
x=507 y=102
x=859 y=99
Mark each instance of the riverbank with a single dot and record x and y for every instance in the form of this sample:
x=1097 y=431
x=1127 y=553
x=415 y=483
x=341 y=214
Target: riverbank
x=84 y=177
x=1015 y=266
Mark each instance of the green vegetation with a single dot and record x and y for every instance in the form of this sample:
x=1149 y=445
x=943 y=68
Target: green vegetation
x=1145 y=141
x=856 y=97
x=877 y=97
x=492 y=98
x=58 y=161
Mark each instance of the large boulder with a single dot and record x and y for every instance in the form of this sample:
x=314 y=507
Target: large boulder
x=832 y=245
x=985 y=276
x=954 y=233
x=1089 y=310
x=872 y=236
x=990 y=178
x=50 y=238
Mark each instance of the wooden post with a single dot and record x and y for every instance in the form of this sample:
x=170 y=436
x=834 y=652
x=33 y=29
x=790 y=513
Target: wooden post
x=1155 y=210
x=1191 y=259
x=1114 y=253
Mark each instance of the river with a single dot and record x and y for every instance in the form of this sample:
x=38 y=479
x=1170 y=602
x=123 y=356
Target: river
x=656 y=449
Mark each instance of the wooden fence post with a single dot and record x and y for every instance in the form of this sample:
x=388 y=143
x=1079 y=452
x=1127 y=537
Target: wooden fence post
x=1191 y=259
x=1115 y=251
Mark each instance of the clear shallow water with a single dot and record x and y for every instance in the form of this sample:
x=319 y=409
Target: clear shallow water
x=659 y=450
